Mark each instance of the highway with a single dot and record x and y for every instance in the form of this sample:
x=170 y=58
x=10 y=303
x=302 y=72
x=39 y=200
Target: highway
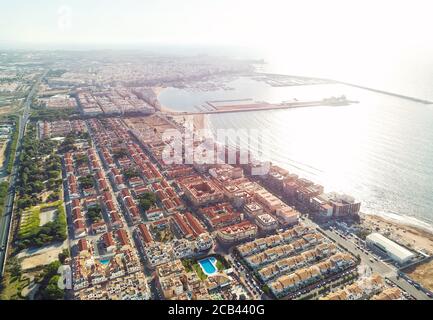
x=5 y=220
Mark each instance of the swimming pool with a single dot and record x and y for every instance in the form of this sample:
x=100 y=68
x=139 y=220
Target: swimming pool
x=105 y=261
x=208 y=266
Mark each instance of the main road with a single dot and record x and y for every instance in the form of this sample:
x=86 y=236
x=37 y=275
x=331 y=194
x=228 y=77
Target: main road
x=6 y=219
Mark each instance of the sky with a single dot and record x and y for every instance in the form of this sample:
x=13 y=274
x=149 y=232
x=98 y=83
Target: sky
x=306 y=23
x=323 y=34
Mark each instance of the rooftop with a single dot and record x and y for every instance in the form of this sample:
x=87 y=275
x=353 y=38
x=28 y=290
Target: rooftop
x=394 y=248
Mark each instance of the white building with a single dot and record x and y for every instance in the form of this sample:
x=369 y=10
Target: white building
x=266 y=222
x=395 y=251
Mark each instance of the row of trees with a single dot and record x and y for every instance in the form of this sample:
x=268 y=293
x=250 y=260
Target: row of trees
x=131 y=172
x=48 y=281
x=86 y=182
x=4 y=187
x=12 y=146
x=146 y=200
x=45 y=114
x=40 y=169
x=94 y=214
x=53 y=231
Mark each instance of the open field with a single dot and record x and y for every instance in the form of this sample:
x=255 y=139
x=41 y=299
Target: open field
x=422 y=274
x=30 y=222
x=3 y=145
x=47 y=215
x=13 y=290
x=33 y=228
x=8 y=107
x=46 y=256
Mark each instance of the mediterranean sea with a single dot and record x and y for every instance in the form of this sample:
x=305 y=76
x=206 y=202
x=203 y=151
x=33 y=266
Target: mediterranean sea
x=379 y=150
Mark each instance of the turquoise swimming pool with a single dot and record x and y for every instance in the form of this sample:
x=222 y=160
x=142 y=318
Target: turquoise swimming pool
x=208 y=266
x=105 y=261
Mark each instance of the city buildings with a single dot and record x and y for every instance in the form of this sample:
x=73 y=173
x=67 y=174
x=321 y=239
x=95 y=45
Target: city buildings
x=60 y=128
x=200 y=191
x=125 y=247
x=235 y=233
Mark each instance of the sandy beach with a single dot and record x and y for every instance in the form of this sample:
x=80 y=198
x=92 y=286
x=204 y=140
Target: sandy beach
x=199 y=121
x=157 y=91
x=412 y=236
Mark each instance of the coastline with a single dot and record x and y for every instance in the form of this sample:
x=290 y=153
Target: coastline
x=157 y=91
x=400 y=230
x=404 y=220
x=199 y=121
x=403 y=225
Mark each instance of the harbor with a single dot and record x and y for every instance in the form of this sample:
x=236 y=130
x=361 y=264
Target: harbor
x=248 y=105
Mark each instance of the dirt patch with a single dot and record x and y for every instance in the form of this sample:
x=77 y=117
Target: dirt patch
x=408 y=235
x=41 y=259
x=3 y=145
x=47 y=215
x=35 y=257
x=423 y=274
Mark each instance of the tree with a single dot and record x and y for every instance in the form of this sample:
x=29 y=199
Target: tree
x=63 y=255
x=53 y=174
x=86 y=182
x=53 y=197
x=145 y=204
x=52 y=268
x=120 y=153
x=52 y=290
x=94 y=214
x=81 y=159
x=37 y=187
x=24 y=202
x=219 y=265
x=266 y=289
x=14 y=267
x=51 y=183
x=146 y=200
x=131 y=172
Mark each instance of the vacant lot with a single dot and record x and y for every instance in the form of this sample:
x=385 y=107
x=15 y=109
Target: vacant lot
x=3 y=145
x=46 y=256
x=47 y=215
x=423 y=274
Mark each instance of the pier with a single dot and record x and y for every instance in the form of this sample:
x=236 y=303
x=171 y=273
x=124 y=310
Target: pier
x=388 y=93
x=247 y=105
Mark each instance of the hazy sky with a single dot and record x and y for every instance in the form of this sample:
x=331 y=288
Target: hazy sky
x=328 y=37
x=233 y=22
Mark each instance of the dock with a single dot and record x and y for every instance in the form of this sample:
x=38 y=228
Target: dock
x=397 y=95
x=247 y=105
